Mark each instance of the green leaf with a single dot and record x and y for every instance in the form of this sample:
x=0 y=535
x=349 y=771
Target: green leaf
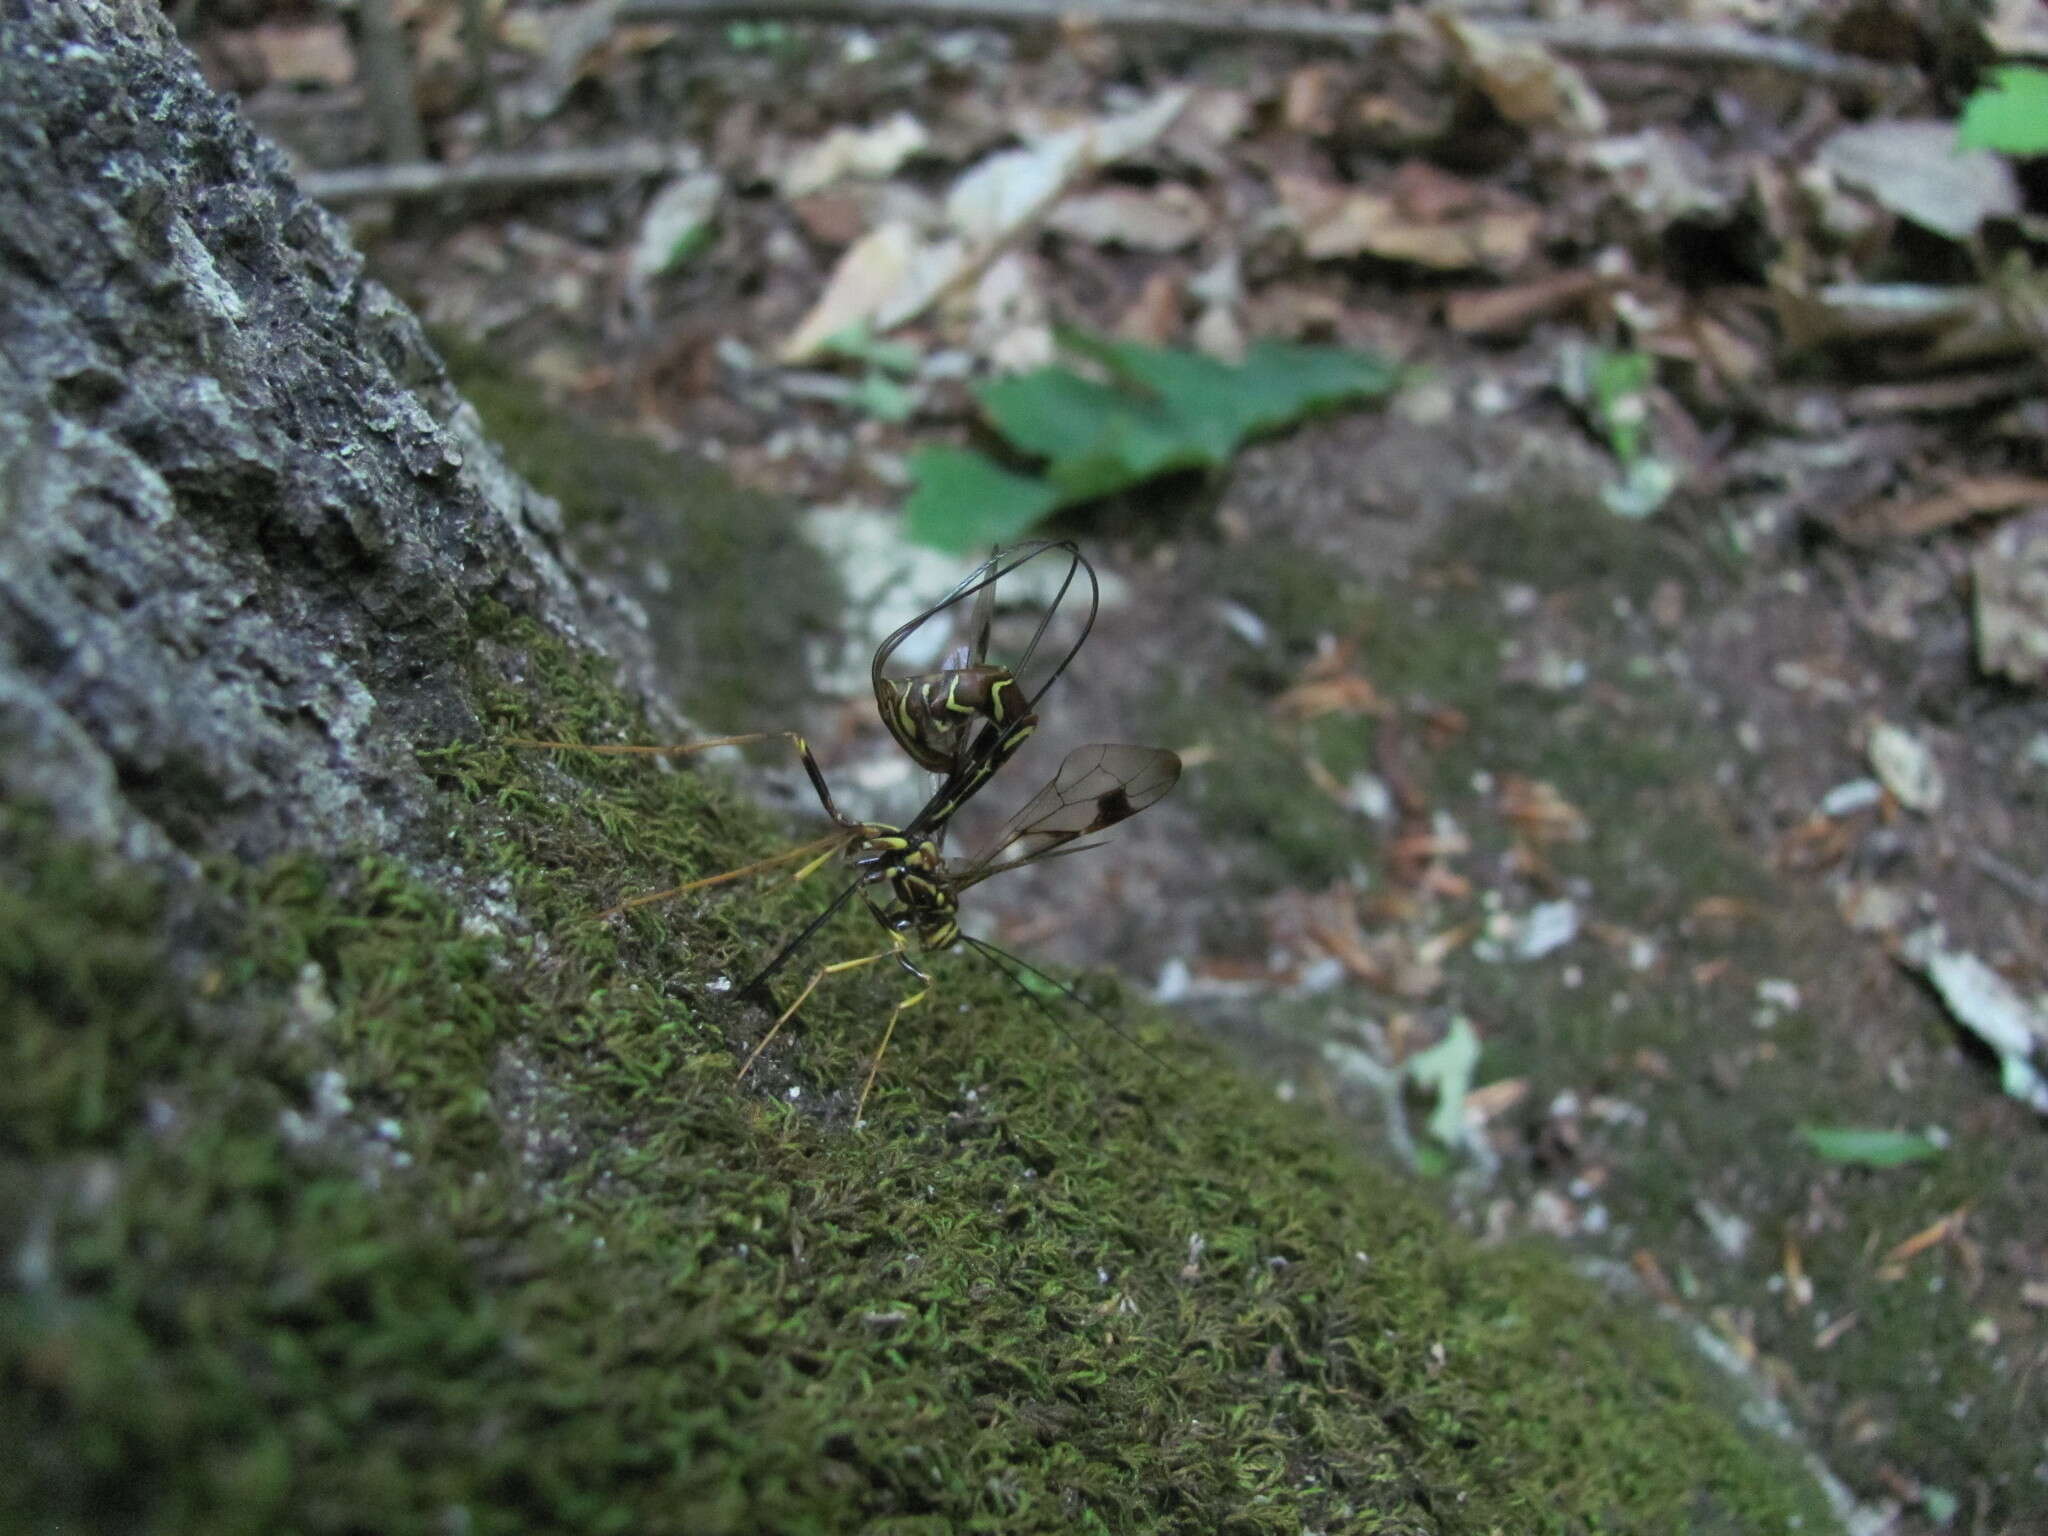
x=1160 y=411
x=2010 y=116
x=964 y=502
x=1868 y=1148
x=884 y=399
x=859 y=342
x=1054 y=413
x=1620 y=384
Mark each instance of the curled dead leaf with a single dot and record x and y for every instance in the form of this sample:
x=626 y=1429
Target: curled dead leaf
x=1423 y=216
x=1539 y=811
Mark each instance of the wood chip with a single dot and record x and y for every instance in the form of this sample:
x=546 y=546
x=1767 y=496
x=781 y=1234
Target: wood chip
x=1942 y=1231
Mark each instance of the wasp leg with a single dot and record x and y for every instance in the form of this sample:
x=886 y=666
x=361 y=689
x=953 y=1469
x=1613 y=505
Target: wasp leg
x=751 y=738
x=831 y=843
x=901 y=1008
x=809 y=987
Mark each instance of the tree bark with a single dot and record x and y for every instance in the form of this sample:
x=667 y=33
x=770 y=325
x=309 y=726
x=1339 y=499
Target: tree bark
x=246 y=519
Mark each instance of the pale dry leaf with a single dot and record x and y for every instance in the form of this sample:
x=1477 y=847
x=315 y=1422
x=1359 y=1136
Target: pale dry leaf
x=1660 y=173
x=1905 y=766
x=1527 y=84
x=1990 y=1007
x=2011 y=579
x=2018 y=28
x=1916 y=169
x=893 y=274
x=1167 y=218
x=676 y=217
x=871 y=153
x=1011 y=323
x=1218 y=333
x=871 y=275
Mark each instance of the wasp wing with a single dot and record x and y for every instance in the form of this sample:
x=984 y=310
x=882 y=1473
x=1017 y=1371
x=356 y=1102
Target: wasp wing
x=1097 y=786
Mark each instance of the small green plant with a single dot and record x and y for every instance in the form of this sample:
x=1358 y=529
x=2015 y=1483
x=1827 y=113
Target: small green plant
x=2010 y=115
x=1869 y=1148
x=1155 y=411
x=888 y=390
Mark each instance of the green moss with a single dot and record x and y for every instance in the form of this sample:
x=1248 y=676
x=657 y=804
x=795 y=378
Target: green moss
x=551 y=1267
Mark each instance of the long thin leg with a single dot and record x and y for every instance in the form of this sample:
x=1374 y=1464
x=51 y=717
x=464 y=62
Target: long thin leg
x=860 y=1109
x=809 y=987
x=682 y=749
x=831 y=843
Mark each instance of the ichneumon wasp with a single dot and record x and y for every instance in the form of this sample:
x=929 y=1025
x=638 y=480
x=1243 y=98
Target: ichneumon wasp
x=962 y=722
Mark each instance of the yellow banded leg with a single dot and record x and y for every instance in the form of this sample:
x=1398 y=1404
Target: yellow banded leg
x=809 y=987
x=867 y=1087
x=831 y=843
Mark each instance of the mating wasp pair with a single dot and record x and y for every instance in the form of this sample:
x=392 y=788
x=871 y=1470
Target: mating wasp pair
x=962 y=722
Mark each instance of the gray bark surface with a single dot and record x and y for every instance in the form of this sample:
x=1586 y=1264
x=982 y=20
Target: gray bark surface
x=244 y=518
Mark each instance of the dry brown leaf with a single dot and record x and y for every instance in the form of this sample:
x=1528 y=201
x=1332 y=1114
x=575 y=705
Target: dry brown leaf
x=1966 y=498
x=831 y=218
x=1155 y=315
x=1816 y=843
x=1537 y=810
x=1309 y=99
x=1506 y=311
x=1527 y=84
x=1348 y=694
x=1424 y=216
x=1651 y=1273
x=1495 y=1099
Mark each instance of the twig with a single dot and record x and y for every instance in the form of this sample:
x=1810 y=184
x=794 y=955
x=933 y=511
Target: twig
x=388 y=75
x=427 y=178
x=1655 y=42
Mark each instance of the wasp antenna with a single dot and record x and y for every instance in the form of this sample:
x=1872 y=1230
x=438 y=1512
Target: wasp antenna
x=1079 y=566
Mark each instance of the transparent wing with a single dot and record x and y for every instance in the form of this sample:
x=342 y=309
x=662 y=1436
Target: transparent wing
x=1097 y=786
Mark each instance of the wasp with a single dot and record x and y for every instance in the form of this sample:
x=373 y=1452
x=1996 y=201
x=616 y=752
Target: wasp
x=961 y=723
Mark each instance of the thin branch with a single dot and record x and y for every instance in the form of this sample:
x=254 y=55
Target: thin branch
x=1654 y=42
x=428 y=178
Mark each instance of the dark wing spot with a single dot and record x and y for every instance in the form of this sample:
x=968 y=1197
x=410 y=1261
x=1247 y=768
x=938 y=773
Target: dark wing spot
x=1114 y=806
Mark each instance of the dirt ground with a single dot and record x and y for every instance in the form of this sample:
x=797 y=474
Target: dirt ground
x=1684 y=817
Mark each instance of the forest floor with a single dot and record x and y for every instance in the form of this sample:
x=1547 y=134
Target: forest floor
x=1617 y=760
